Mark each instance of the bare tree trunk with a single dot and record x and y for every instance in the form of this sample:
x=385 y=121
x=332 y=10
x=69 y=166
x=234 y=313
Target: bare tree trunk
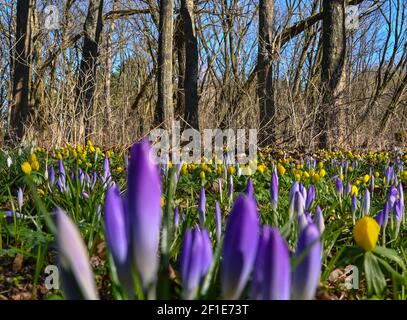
x=191 y=64
x=21 y=74
x=108 y=71
x=333 y=78
x=264 y=71
x=165 y=112
x=179 y=42
x=87 y=70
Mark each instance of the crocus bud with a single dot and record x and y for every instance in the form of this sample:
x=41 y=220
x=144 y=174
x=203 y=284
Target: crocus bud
x=393 y=194
x=20 y=198
x=274 y=190
x=117 y=235
x=272 y=270
x=144 y=205
x=218 y=220
x=76 y=273
x=230 y=188
x=366 y=203
x=308 y=269
x=339 y=187
x=299 y=204
x=310 y=197
x=303 y=192
x=239 y=246
x=202 y=207
x=250 y=188
x=302 y=222
x=379 y=218
x=319 y=220
x=294 y=188
x=196 y=257
x=176 y=217
x=398 y=212
x=106 y=171
x=51 y=176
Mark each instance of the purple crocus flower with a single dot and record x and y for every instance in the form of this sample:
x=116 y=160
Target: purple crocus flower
x=272 y=271
x=302 y=222
x=176 y=217
x=51 y=176
x=308 y=269
x=250 y=188
x=144 y=207
x=274 y=190
x=393 y=194
x=239 y=246
x=230 y=188
x=61 y=170
x=348 y=188
x=389 y=173
x=366 y=203
x=202 y=207
x=380 y=218
x=81 y=176
x=303 y=191
x=20 y=198
x=339 y=187
x=310 y=197
x=299 y=204
x=106 y=171
x=117 y=234
x=218 y=220
x=294 y=188
x=196 y=258
x=76 y=273
x=94 y=179
x=319 y=220
x=398 y=212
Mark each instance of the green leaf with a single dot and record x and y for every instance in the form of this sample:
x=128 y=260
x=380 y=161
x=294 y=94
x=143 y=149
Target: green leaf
x=376 y=283
x=389 y=254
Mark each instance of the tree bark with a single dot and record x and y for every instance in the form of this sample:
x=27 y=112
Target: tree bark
x=333 y=78
x=87 y=70
x=21 y=74
x=191 y=64
x=264 y=71
x=165 y=112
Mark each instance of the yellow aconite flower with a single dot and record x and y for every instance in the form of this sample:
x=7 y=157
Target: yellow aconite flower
x=231 y=170
x=281 y=169
x=405 y=175
x=366 y=233
x=322 y=173
x=26 y=167
x=354 y=190
x=108 y=153
x=202 y=175
x=316 y=177
x=298 y=177
x=261 y=168
x=184 y=169
x=35 y=165
x=320 y=165
x=40 y=192
x=33 y=157
x=162 y=201
x=366 y=178
x=119 y=169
